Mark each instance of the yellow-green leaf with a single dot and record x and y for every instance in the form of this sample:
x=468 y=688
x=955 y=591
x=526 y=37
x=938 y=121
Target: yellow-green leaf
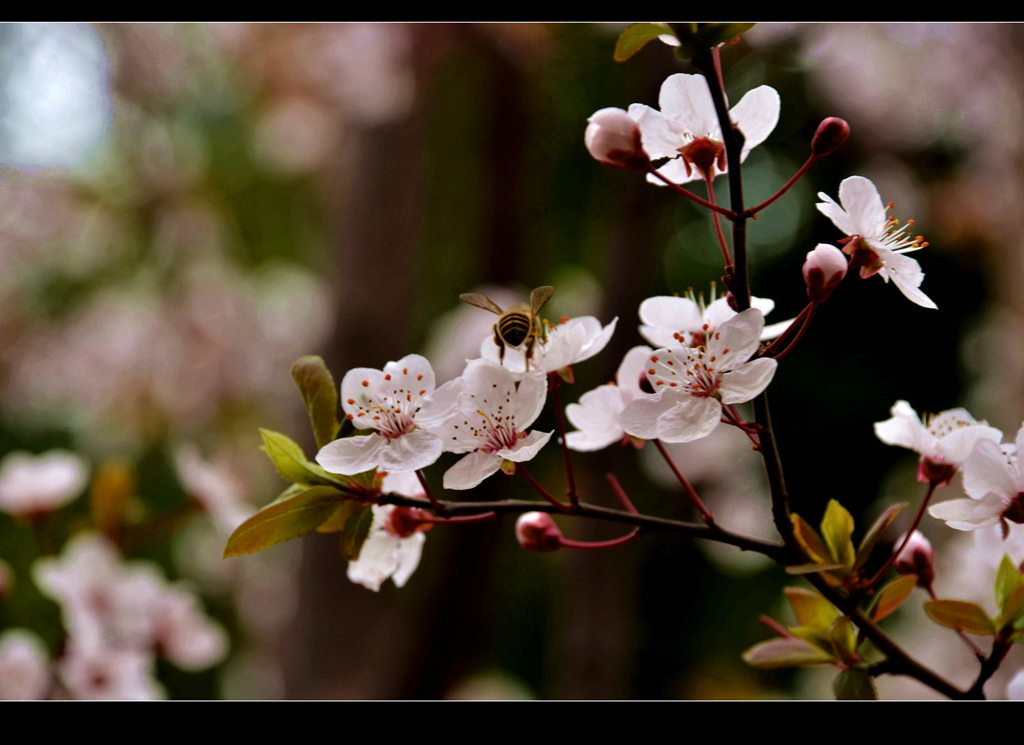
x=291 y=462
x=282 y=521
x=892 y=596
x=811 y=609
x=1008 y=579
x=844 y=639
x=867 y=545
x=357 y=527
x=636 y=37
x=336 y=522
x=811 y=542
x=855 y=684
x=836 y=529
x=1012 y=616
x=961 y=615
x=788 y=652
x=812 y=568
x=320 y=396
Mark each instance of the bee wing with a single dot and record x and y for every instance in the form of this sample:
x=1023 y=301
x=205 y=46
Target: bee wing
x=480 y=301
x=539 y=296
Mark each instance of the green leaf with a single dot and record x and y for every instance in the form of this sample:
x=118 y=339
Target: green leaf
x=836 y=529
x=320 y=396
x=291 y=462
x=810 y=542
x=855 y=684
x=1008 y=579
x=720 y=33
x=636 y=37
x=357 y=527
x=1012 y=616
x=812 y=568
x=892 y=596
x=282 y=521
x=811 y=609
x=786 y=652
x=336 y=522
x=844 y=639
x=961 y=615
x=867 y=545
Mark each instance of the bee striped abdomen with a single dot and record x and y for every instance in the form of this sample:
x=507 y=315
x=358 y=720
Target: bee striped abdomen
x=514 y=328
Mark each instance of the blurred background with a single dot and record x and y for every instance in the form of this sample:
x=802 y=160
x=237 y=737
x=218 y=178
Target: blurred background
x=187 y=209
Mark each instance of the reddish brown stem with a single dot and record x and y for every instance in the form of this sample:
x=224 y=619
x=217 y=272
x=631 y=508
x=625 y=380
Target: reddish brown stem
x=705 y=515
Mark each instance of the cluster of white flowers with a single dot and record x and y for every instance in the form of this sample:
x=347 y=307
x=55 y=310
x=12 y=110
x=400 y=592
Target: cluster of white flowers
x=118 y=616
x=484 y=414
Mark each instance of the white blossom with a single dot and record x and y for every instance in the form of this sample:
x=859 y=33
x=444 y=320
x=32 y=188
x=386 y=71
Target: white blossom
x=596 y=416
x=37 y=485
x=876 y=241
x=673 y=322
x=390 y=550
x=692 y=383
x=400 y=404
x=687 y=129
x=565 y=344
x=24 y=666
x=994 y=482
x=944 y=441
x=493 y=415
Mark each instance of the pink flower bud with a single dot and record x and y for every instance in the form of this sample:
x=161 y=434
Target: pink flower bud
x=916 y=558
x=613 y=138
x=823 y=271
x=536 y=531
x=831 y=133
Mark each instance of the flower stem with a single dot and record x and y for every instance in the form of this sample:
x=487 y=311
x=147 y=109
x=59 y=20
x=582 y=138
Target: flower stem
x=554 y=383
x=600 y=544
x=809 y=311
x=439 y=508
x=917 y=521
x=706 y=516
x=780 y=339
x=463 y=518
x=728 y=214
x=541 y=490
x=789 y=184
x=718 y=226
x=621 y=493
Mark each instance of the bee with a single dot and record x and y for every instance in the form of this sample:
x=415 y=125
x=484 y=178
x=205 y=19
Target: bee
x=516 y=326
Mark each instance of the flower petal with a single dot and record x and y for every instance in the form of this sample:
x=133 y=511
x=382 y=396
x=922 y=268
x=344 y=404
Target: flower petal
x=686 y=100
x=596 y=417
x=526 y=448
x=737 y=339
x=987 y=470
x=410 y=452
x=906 y=274
x=471 y=470
x=692 y=418
x=438 y=406
x=747 y=381
x=351 y=455
x=862 y=203
x=640 y=417
x=671 y=314
x=969 y=514
x=756 y=115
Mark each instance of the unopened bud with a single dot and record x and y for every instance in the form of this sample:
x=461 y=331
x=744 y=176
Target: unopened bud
x=831 y=133
x=613 y=138
x=536 y=531
x=823 y=271
x=917 y=557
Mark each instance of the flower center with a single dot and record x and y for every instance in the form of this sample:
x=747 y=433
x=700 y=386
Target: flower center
x=897 y=237
x=499 y=434
x=703 y=154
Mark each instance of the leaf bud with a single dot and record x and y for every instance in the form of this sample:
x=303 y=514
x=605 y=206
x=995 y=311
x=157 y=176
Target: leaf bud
x=824 y=269
x=613 y=138
x=917 y=557
x=537 y=532
x=830 y=135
